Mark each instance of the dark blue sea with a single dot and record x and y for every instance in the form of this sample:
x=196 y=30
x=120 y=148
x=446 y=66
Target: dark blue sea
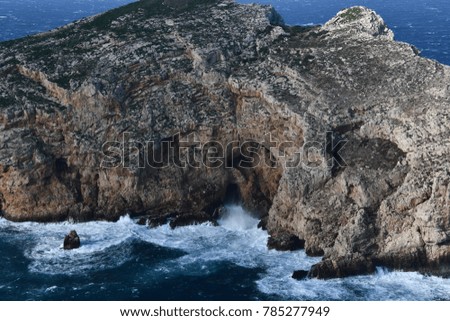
x=423 y=23
x=126 y=261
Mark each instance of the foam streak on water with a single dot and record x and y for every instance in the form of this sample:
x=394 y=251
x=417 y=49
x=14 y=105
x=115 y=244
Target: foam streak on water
x=204 y=248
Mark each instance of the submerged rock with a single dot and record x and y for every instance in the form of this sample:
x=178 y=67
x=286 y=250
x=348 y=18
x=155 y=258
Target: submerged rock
x=185 y=219
x=71 y=241
x=178 y=219
x=143 y=221
x=300 y=275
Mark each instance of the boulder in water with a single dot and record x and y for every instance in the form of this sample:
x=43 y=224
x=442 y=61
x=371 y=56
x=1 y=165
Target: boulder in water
x=72 y=241
x=263 y=223
x=300 y=275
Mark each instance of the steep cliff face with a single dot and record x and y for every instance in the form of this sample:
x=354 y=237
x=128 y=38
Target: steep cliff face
x=366 y=119
x=147 y=72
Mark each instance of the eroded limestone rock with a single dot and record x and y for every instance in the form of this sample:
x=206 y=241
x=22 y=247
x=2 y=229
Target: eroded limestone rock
x=172 y=71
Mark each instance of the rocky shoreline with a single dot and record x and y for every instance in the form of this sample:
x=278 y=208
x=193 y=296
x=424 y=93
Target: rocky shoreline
x=371 y=185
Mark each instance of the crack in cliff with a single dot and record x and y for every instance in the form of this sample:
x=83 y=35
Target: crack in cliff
x=59 y=93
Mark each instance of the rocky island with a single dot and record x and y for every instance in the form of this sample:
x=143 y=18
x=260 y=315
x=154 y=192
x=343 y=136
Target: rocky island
x=372 y=188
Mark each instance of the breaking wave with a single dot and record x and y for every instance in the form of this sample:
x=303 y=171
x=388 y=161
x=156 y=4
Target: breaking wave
x=201 y=249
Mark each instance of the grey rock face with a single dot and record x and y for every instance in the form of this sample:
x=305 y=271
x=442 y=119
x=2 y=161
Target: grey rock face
x=219 y=71
x=72 y=241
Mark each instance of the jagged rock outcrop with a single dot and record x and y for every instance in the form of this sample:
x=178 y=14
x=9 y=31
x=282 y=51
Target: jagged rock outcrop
x=72 y=241
x=364 y=179
x=300 y=275
x=283 y=241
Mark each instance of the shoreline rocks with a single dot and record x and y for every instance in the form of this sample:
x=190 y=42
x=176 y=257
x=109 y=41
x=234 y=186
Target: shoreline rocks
x=284 y=241
x=71 y=241
x=342 y=267
x=300 y=275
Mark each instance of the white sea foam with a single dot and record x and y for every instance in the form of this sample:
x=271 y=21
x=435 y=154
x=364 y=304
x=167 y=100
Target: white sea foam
x=237 y=219
x=236 y=240
x=47 y=256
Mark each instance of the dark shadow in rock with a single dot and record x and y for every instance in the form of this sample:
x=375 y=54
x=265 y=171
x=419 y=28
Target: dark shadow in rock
x=263 y=223
x=284 y=241
x=232 y=195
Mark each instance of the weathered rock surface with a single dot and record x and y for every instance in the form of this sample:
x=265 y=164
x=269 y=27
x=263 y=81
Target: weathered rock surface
x=185 y=219
x=353 y=264
x=284 y=241
x=71 y=241
x=219 y=71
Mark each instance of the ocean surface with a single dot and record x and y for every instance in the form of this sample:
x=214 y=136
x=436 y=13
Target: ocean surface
x=423 y=23
x=126 y=261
